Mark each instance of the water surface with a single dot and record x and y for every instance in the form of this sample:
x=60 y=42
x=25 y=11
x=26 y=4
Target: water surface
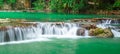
x=65 y=46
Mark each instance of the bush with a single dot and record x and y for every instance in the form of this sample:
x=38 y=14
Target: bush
x=62 y=6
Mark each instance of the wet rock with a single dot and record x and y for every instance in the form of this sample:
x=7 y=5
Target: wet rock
x=7 y=20
x=89 y=26
x=108 y=33
x=99 y=32
x=81 y=32
x=84 y=20
x=75 y=20
x=3 y=28
x=93 y=20
x=14 y=23
x=59 y=23
x=4 y=21
x=86 y=26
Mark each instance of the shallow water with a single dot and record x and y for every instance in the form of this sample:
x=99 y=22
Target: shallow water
x=65 y=46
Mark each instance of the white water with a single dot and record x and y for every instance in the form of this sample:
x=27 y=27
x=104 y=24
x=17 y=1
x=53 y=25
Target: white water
x=116 y=34
x=86 y=33
x=47 y=30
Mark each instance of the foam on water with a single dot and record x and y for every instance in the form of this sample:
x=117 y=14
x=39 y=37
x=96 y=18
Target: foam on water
x=25 y=41
x=116 y=34
x=45 y=38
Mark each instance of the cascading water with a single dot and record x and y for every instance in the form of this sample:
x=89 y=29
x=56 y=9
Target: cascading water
x=43 y=29
x=108 y=24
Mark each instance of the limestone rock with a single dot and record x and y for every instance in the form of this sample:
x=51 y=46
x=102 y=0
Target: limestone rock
x=81 y=32
x=99 y=32
x=89 y=26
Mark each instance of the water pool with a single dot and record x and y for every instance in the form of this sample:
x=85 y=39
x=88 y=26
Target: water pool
x=65 y=46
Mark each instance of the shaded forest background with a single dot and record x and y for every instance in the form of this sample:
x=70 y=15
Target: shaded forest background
x=64 y=6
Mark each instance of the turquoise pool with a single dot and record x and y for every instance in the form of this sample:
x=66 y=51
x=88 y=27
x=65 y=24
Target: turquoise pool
x=65 y=46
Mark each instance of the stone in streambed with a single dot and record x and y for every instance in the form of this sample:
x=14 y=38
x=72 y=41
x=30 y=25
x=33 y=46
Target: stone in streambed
x=81 y=32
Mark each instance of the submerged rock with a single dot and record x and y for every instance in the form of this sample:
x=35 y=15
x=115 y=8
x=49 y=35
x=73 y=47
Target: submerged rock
x=99 y=32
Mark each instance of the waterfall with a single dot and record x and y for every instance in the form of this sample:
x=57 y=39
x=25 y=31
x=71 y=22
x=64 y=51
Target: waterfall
x=2 y=35
x=11 y=34
x=86 y=33
x=116 y=34
x=18 y=33
x=43 y=29
x=106 y=24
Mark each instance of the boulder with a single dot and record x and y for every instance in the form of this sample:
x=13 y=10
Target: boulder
x=108 y=33
x=99 y=32
x=81 y=32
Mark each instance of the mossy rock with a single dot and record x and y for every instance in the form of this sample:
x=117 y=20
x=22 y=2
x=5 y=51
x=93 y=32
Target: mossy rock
x=99 y=32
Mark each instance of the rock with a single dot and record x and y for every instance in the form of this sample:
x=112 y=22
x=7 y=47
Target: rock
x=93 y=20
x=4 y=21
x=99 y=32
x=59 y=23
x=3 y=28
x=14 y=23
x=86 y=26
x=91 y=32
x=89 y=26
x=81 y=32
x=75 y=20
x=108 y=33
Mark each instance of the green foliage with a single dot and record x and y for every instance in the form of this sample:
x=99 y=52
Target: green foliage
x=39 y=5
x=1 y=2
x=61 y=5
x=7 y=2
x=11 y=1
x=117 y=3
x=67 y=5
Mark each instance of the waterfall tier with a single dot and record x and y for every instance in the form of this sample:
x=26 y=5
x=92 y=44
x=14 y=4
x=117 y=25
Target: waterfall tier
x=51 y=28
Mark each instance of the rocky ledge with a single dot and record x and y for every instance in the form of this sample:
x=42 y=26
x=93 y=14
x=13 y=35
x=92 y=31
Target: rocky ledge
x=90 y=25
x=6 y=23
x=85 y=25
